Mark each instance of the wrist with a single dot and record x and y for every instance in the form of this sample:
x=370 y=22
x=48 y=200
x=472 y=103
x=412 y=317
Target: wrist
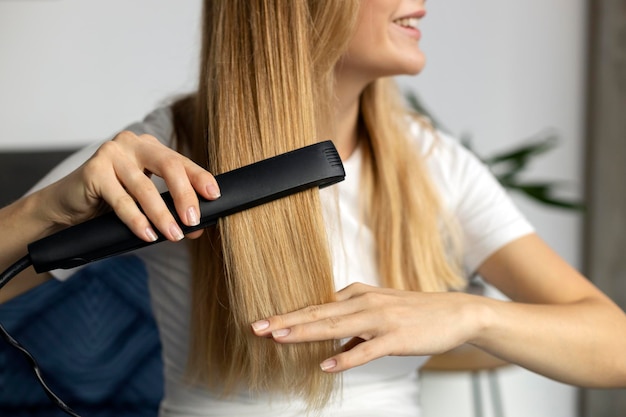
x=22 y=223
x=39 y=212
x=484 y=316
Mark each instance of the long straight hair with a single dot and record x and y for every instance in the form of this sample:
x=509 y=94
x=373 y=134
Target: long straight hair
x=266 y=83
x=417 y=243
x=266 y=87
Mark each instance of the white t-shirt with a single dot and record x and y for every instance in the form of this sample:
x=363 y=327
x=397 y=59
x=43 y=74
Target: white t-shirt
x=387 y=386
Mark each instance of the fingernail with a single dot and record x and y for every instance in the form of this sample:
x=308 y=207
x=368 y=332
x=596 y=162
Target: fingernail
x=260 y=325
x=328 y=364
x=192 y=216
x=177 y=234
x=150 y=234
x=213 y=190
x=281 y=332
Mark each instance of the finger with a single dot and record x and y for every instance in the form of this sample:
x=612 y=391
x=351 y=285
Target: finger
x=356 y=289
x=361 y=354
x=352 y=299
x=305 y=315
x=202 y=180
x=128 y=182
x=139 y=186
x=332 y=328
x=194 y=235
x=184 y=178
x=127 y=210
x=174 y=167
x=182 y=191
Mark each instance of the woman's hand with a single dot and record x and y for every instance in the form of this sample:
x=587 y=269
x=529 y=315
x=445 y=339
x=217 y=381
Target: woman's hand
x=118 y=176
x=380 y=322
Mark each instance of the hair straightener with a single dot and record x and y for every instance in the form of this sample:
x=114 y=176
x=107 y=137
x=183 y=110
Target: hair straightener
x=317 y=165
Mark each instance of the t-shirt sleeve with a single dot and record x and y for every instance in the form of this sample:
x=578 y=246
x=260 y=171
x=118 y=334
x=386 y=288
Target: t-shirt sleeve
x=158 y=124
x=485 y=213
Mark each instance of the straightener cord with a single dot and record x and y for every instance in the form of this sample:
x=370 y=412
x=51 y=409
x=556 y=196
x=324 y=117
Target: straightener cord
x=5 y=277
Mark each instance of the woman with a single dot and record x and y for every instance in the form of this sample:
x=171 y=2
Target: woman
x=261 y=314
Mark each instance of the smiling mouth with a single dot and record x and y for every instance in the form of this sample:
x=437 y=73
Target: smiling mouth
x=408 y=22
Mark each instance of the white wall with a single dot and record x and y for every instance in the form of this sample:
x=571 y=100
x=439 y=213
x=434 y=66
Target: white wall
x=72 y=71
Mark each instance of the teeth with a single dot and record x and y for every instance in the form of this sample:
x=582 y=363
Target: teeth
x=410 y=22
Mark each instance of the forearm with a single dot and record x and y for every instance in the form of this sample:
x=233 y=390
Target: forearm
x=580 y=343
x=21 y=223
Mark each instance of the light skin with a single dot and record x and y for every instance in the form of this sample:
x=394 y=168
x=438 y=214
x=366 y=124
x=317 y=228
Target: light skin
x=558 y=324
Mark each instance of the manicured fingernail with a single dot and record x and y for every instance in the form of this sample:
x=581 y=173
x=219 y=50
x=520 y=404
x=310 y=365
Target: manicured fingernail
x=260 y=325
x=150 y=234
x=192 y=216
x=213 y=190
x=328 y=364
x=281 y=332
x=177 y=234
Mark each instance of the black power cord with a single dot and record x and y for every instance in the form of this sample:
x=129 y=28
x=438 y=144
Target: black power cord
x=5 y=277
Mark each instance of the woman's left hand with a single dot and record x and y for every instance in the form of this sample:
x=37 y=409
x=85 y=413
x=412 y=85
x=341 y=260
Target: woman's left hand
x=380 y=322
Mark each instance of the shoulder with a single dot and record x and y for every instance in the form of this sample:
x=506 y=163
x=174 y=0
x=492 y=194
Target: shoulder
x=453 y=169
x=439 y=147
x=158 y=123
x=471 y=194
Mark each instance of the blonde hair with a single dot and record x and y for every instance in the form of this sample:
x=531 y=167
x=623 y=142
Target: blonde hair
x=266 y=86
x=417 y=243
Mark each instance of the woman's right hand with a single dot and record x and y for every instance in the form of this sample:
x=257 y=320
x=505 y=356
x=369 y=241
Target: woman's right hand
x=118 y=176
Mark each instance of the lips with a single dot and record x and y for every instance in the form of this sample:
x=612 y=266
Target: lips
x=409 y=26
x=408 y=22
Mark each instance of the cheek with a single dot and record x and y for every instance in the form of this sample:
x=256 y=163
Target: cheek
x=372 y=27
x=364 y=48
x=370 y=40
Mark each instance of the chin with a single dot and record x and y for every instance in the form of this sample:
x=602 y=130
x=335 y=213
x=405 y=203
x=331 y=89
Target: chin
x=407 y=61
x=410 y=67
x=416 y=69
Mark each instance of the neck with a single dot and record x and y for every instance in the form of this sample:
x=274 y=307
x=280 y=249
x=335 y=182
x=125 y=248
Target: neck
x=346 y=112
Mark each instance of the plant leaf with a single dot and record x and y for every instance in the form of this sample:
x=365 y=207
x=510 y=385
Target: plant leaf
x=544 y=193
x=522 y=154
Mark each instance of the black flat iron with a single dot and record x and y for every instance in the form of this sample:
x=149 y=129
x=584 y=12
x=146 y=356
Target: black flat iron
x=317 y=165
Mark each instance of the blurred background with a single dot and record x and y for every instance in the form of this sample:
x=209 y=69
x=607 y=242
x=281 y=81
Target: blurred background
x=500 y=73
